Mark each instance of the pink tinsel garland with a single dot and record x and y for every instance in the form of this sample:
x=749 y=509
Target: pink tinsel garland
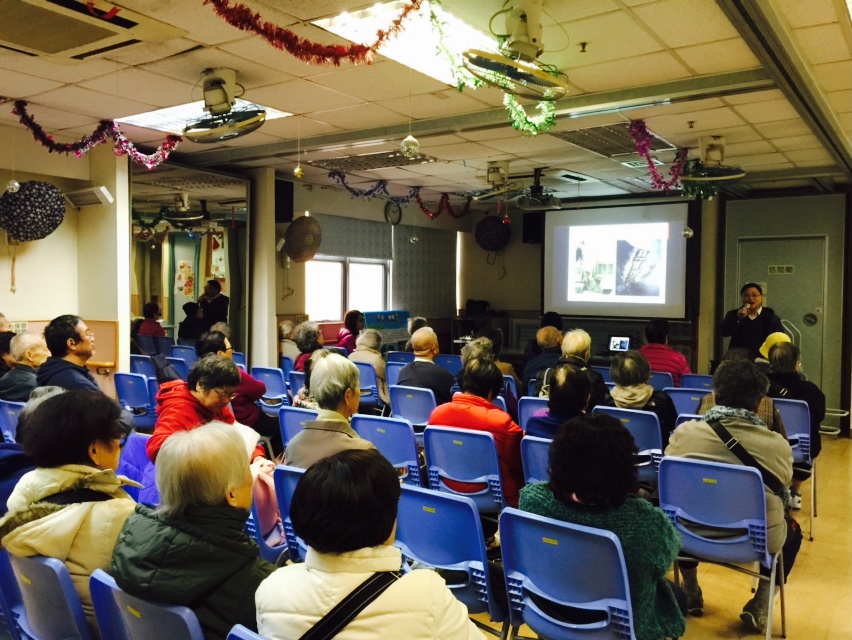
x=643 y=139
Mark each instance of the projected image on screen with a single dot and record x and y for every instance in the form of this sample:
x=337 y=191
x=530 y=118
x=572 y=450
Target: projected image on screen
x=619 y=263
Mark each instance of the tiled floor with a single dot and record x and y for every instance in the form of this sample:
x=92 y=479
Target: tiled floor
x=819 y=591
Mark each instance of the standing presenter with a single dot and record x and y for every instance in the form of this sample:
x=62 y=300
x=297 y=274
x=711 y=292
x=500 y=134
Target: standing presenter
x=749 y=325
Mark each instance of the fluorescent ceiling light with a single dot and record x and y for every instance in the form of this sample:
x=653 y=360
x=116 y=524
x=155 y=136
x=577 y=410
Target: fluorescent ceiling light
x=416 y=46
x=174 y=119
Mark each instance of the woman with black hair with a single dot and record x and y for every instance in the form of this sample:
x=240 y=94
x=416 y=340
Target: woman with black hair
x=592 y=483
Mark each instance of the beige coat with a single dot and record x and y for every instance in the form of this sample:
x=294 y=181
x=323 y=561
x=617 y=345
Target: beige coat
x=82 y=535
x=330 y=433
x=373 y=357
x=419 y=605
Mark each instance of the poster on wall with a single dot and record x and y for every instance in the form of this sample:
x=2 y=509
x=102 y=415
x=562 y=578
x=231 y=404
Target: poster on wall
x=218 y=258
x=184 y=272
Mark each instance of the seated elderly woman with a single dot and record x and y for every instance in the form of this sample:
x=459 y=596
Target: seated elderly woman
x=303 y=397
x=480 y=382
x=496 y=337
x=368 y=348
x=286 y=344
x=192 y=550
x=308 y=338
x=345 y=509
x=570 y=389
x=72 y=506
x=482 y=348
x=415 y=323
x=630 y=372
x=336 y=386
x=592 y=483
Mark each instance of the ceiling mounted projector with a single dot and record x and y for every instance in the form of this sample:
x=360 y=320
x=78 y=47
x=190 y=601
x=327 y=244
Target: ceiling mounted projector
x=543 y=203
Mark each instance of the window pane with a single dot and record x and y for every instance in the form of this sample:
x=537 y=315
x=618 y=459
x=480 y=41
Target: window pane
x=323 y=290
x=366 y=286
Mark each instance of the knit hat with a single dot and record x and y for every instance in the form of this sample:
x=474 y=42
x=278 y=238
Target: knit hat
x=771 y=340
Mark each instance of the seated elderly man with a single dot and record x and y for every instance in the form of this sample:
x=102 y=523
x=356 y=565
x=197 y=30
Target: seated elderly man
x=368 y=349
x=738 y=387
x=336 y=386
x=423 y=372
x=576 y=350
x=550 y=340
x=29 y=351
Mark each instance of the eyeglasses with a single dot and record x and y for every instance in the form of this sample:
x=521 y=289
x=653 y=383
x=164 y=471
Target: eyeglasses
x=225 y=394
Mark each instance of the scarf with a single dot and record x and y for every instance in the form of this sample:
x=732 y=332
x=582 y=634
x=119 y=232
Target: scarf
x=633 y=397
x=718 y=412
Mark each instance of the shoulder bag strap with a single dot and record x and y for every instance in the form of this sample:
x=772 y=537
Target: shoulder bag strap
x=746 y=458
x=347 y=609
x=73 y=496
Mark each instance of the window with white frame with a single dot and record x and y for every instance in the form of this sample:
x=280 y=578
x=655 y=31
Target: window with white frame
x=334 y=284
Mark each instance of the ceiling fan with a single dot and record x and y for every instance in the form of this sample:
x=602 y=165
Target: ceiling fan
x=500 y=188
x=704 y=176
x=182 y=214
x=224 y=121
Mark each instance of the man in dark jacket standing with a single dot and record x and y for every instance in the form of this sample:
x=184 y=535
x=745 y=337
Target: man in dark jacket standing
x=30 y=352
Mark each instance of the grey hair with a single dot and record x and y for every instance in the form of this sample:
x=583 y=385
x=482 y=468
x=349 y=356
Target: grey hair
x=576 y=343
x=629 y=368
x=306 y=336
x=739 y=384
x=223 y=328
x=330 y=378
x=23 y=342
x=478 y=349
x=285 y=329
x=371 y=339
x=199 y=467
x=37 y=396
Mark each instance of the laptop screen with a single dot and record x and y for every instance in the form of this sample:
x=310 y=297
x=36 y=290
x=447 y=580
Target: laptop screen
x=619 y=343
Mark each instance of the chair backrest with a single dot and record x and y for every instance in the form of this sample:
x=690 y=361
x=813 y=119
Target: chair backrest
x=686 y=417
x=605 y=373
x=721 y=496
x=565 y=564
x=610 y=385
x=147 y=344
x=685 y=400
x=400 y=356
x=180 y=366
x=531 y=388
x=394 y=438
x=660 y=380
x=133 y=461
x=338 y=350
x=239 y=632
x=286 y=478
x=164 y=345
x=239 y=358
x=186 y=342
x=273 y=378
x=528 y=405
x=132 y=391
x=153 y=390
x=11 y=605
x=286 y=366
x=392 y=370
x=142 y=618
x=499 y=402
x=296 y=380
x=271 y=552
x=369 y=384
x=423 y=521
x=509 y=384
x=644 y=426
x=412 y=403
x=797 y=422
x=185 y=353
x=107 y=610
x=697 y=381
x=535 y=454
x=451 y=363
x=467 y=456
x=9 y=412
x=143 y=365
x=292 y=421
x=51 y=605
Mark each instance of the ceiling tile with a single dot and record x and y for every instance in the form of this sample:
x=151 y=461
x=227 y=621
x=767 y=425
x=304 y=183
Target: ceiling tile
x=529 y=144
x=840 y=101
x=387 y=78
x=144 y=52
x=20 y=85
x=734 y=135
x=823 y=43
x=576 y=10
x=53 y=120
x=834 y=76
x=42 y=68
x=809 y=155
x=719 y=57
x=681 y=24
x=748 y=149
x=612 y=36
x=295 y=127
x=765 y=159
x=644 y=113
x=256 y=138
x=435 y=105
x=705 y=120
x=754 y=96
x=788 y=143
x=255 y=48
x=362 y=116
x=462 y=151
x=769 y=111
x=632 y=72
x=783 y=129
x=188 y=67
x=303 y=96
x=806 y=14
x=93 y=103
x=156 y=89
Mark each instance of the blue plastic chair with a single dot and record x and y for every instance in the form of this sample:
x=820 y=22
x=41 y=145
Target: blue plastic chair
x=685 y=400
x=499 y=402
x=531 y=389
x=509 y=384
x=451 y=363
x=9 y=412
x=605 y=373
x=153 y=390
x=465 y=456
x=141 y=618
x=535 y=458
x=276 y=388
x=697 y=381
x=292 y=421
x=186 y=342
x=185 y=353
x=338 y=350
x=164 y=345
x=143 y=365
x=147 y=345
x=11 y=605
x=400 y=356
x=569 y=565
x=269 y=552
x=133 y=461
x=686 y=417
x=424 y=519
x=132 y=391
x=528 y=405
x=286 y=478
x=369 y=387
x=239 y=632
x=394 y=438
x=180 y=366
x=239 y=358
x=297 y=381
x=52 y=609
x=392 y=370
x=610 y=385
x=644 y=426
x=722 y=497
x=286 y=365
x=412 y=403
x=797 y=422
x=660 y=380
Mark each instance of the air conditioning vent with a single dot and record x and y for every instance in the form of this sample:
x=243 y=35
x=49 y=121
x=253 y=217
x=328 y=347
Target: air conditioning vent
x=368 y=161
x=89 y=197
x=610 y=140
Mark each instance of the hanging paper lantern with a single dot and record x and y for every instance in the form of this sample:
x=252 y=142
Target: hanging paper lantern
x=33 y=212
x=491 y=234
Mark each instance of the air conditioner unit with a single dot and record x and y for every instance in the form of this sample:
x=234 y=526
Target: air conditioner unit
x=76 y=30
x=90 y=197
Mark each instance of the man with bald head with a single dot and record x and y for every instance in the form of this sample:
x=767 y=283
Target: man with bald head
x=423 y=372
x=550 y=341
x=29 y=351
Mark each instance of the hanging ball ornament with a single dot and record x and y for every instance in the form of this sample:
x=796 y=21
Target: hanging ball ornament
x=506 y=219
x=410 y=147
x=298 y=171
x=12 y=186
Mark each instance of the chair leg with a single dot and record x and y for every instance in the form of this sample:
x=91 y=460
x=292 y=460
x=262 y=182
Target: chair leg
x=769 y=610
x=783 y=604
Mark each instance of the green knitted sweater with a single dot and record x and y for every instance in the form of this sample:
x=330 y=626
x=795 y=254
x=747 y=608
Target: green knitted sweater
x=650 y=545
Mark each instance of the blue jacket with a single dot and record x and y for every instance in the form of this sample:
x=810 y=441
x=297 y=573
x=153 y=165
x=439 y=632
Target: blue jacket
x=61 y=373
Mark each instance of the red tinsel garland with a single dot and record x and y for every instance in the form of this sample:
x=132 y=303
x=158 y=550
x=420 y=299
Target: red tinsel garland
x=642 y=138
x=443 y=205
x=243 y=18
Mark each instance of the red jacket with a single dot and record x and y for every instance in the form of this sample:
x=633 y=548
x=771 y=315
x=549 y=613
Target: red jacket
x=467 y=411
x=664 y=359
x=178 y=410
x=151 y=327
x=249 y=391
x=346 y=340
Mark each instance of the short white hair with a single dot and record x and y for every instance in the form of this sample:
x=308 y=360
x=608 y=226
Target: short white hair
x=371 y=339
x=286 y=329
x=199 y=467
x=576 y=343
x=331 y=377
x=23 y=342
